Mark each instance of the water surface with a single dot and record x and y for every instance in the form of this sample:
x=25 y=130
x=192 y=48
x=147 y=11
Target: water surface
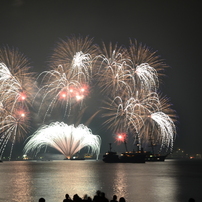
x=172 y=180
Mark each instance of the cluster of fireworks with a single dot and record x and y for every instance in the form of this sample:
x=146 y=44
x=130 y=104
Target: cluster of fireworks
x=127 y=79
x=16 y=89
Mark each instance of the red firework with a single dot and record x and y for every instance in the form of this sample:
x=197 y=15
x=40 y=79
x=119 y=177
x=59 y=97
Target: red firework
x=121 y=137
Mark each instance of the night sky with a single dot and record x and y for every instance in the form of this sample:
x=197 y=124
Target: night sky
x=171 y=27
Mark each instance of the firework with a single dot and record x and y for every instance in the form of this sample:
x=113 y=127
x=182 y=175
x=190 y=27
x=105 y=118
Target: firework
x=142 y=116
x=166 y=129
x=146 y=77
x=127 y=80
x=16 y=79
x=17 y=89
x=121 y=137
x=128 y=114
x=113 y=71
x=159 y=125
x=123 y=71
x=65 y=138
x=13 y=127
x=59 y=90
x=130 y=80
x=141 y=54
x=70 y=75
x=147 y=67
x=76 y=55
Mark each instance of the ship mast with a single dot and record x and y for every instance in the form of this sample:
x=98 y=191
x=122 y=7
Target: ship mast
x=110 y=147
x=125 y=143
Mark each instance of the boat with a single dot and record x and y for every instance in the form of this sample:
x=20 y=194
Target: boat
x=126 y=157
x=155 y=157
x=111 y=157
x=137 y=156
x=152 y=156
x=132 y=157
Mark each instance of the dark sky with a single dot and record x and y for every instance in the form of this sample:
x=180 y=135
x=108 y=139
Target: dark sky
x=171 y=27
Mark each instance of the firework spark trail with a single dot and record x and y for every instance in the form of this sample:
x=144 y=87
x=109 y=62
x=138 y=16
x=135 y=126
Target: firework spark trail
x=4 y=140
x=140 y=54
x=65 y=138
x=114 y=78
x=17 y=88
x=71 y=49
x=16 y=79
x=158 y=121
x=138 y=69
x=130 y=112
x=113 y=71
x=13 y=127
x=167 y=128
x=128 y=80
x=121 y=115
x=10 y=88
x=4 y=72
x=132 y=116
x=148 y=77
x=60 y=89
x=81 y=67
x=118 y=72
x=76 y=55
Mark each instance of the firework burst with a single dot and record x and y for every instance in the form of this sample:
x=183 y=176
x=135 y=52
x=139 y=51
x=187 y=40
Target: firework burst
x=159 y=125
x=142 y=116
x=113 y=71
x=13 y=128
x=128 y=114
x=67 y=139
x=130 y=80
x=75 y=54
x=16 y=79
x=17 y=89
x=59 y=90
x=126 y=79
x=141 y=54
x=70 y=76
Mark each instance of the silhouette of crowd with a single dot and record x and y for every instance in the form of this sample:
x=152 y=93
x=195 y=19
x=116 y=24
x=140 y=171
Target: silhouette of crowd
x=99 y=197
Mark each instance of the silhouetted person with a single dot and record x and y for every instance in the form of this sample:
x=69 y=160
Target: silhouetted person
x=122 y=199
x=97 y=197
x=103 y=198
x=89 y=199
x=85 y=197
x=76 y=198
x=114 y=199
x=67 y=198
x=42 y=200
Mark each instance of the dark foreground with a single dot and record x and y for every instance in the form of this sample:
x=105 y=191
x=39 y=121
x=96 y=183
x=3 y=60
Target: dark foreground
x=99 y=197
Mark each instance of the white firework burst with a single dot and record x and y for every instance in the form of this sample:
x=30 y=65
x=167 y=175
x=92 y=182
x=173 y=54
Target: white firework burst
x=65 y=138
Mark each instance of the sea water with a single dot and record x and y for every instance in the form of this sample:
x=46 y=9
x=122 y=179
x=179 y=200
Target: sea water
x=172 y=180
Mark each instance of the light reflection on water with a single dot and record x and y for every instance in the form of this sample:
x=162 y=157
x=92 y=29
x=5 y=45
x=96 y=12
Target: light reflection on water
x=152 y=181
